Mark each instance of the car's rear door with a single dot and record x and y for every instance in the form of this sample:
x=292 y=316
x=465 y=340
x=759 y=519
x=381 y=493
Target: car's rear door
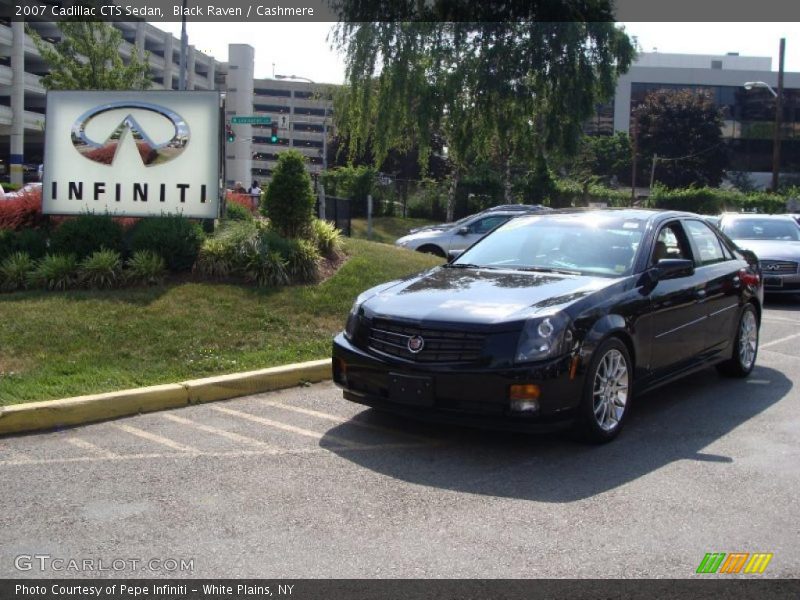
x=720 y=294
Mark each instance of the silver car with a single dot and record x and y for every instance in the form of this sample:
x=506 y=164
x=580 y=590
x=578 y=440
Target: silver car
x=449 y=238
x=775 y=239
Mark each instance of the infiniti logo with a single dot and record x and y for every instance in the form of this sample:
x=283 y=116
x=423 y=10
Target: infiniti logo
x=415 y=344
x=151 y=152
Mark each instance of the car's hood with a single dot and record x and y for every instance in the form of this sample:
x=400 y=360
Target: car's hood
x=771 y=249
x=442 y=227
x=480 y=296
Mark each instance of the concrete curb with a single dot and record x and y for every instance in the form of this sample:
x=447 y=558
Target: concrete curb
x=36 y=416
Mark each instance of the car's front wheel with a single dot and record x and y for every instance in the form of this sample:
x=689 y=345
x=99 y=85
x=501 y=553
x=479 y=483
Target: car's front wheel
x=745 y=348
x=607 y=393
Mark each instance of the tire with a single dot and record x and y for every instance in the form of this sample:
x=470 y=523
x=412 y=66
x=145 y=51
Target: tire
x=603 y=409
x=435 y=250
x=745 y=346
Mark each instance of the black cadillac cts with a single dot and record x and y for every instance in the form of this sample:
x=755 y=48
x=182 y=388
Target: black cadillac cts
x=556 y=317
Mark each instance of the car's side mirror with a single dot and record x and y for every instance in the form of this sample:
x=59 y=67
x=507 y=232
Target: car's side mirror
x=463 y=231
x=674 y=268
x=453 y=254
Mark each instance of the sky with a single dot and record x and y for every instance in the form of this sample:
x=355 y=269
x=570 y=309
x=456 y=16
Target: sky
x=301 y=48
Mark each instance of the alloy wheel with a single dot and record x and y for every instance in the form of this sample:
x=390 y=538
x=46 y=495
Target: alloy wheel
x=748 y=339
x=610 y=389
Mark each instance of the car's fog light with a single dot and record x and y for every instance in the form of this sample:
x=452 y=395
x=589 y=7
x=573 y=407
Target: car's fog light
x=524 y=398
x=339 y=371
x=525 y=406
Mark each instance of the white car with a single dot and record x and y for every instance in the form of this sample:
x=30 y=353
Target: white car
x=451 y=238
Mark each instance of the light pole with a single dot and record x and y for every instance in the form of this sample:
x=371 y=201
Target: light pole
x=776 y=137
x=324 y=141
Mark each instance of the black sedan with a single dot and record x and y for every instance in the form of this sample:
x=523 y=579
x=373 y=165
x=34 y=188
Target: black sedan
x=555 y=318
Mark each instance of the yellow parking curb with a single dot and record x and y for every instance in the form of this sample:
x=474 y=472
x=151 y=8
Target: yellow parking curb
x=36 y=416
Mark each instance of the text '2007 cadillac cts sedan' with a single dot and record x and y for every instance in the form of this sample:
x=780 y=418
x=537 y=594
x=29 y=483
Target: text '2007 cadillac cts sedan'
x=555 y=318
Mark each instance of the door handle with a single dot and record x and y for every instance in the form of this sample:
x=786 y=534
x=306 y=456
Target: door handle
x=700 y=294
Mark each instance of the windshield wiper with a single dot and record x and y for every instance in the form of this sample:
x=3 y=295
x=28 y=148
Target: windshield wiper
x=466 y=266
x=549 y=270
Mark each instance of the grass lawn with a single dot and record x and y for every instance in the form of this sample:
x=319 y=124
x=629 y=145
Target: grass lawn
x=386 y=229
x=61 y=344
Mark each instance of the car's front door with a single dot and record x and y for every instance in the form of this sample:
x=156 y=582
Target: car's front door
x=469 y=234
x=677 y=318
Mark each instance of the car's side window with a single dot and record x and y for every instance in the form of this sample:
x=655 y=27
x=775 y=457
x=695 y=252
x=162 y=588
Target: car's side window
x=709 y=248
x=487 y=224
x=670 y=243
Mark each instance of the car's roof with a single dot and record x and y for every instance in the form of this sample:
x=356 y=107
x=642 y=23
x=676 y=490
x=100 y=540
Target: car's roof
x=759 y=216
x=639 y=214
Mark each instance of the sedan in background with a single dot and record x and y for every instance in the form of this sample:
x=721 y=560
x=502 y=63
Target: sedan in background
x=451 y=238
x=555 y=318
x=775 y=239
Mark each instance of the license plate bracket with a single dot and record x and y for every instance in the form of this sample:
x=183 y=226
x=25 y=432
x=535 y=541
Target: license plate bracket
x=773 y=282
x=414 y=390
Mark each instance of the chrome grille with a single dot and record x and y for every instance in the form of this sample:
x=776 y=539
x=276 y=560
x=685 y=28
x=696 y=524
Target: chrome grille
x=441 y=346
x=778 y=267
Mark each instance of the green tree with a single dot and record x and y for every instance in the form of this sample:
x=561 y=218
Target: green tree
x=510 y=89
x=603 y=159
x=684 y=129
x=88 y=58
x=289 y=201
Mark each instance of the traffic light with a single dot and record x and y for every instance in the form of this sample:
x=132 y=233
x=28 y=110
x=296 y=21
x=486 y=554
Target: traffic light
x=274 y=137
x=230 y=136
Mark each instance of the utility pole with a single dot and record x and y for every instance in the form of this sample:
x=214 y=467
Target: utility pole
x=653 y=172
x=776 y=141
x=635 y=148
x=184 y=44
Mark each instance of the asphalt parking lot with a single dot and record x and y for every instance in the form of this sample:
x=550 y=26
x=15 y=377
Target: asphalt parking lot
x=301 y=483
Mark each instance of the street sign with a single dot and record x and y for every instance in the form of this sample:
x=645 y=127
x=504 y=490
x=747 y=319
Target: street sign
x=251 y=120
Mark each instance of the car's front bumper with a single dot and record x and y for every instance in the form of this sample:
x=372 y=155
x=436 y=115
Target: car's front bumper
x=469 y=396
x=781 y=283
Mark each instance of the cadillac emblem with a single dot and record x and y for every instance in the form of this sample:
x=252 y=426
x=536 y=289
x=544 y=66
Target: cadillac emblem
x=415 y=344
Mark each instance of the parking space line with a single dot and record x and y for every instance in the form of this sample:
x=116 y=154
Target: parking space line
x=780 y=340
x=15 y=455
x=234 y=437
x=84 y=445
x=156 y=438
x=778 y=320
x=284 y=426
x=222 y=454
x=335 y=419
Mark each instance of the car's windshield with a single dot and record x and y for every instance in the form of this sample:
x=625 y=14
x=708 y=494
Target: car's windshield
x=761 y=229
x=597 y=244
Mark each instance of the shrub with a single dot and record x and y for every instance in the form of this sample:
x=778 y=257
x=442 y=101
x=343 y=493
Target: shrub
x=55 y=272
x=216 y=258
x=264 y=265
x=32 y=241
x=8 y=243
x=303 y=262
x=237 y=212
x=175 y=238
x=327 y=238
x=22 y=212
x=86 y=234
x=146 y=267
x=15 y=271
x=712 y=201
x=289 y=201
x=102 y=269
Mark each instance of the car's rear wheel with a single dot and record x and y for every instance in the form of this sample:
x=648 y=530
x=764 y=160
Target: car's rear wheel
x=607 y=393
x=431 y=249
x=745 y=348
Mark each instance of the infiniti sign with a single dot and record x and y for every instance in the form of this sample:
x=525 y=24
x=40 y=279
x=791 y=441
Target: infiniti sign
x=151 y=152
x=132 y=153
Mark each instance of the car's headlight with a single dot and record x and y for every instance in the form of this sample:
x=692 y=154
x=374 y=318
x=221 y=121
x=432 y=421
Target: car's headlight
x=544 y=337
x=352 y=318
